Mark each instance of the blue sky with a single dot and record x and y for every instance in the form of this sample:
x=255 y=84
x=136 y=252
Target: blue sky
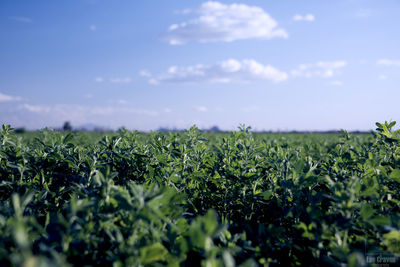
x=273 y=65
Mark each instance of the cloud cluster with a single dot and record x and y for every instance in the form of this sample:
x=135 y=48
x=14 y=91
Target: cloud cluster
x=324 y=69
x=224 y=71
x=114 y=80
x=307 y=17
x=364 y=13
x=21 y=19
x=9 y=98
x=250 y=109
x=201 y=109
x=221 y=22
x=120 y=80
x=67 y=111
x=389 y=62
x=34 y=116
x=336 y=83
x=37 y=108
x=144 y=73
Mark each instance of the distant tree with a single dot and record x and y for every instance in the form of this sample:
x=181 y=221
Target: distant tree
x=122 y=130
x=163 y=130
x=20 y=130
x=67 y=126
x=214 y=129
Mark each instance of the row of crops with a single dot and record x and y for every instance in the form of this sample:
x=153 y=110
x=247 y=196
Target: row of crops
x=195 y=199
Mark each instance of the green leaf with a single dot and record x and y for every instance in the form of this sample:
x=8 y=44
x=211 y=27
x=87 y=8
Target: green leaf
x=228 y=259
x=153 y=253
x=392 y=241
x=267 y=194
x=68 y=138
x=395 y=175
x=366 y=211
x=21 y=235
x=393 y=123
x=380 y=220
x=210 y=221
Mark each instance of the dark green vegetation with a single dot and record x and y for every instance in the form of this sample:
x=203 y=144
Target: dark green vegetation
x=189 y=199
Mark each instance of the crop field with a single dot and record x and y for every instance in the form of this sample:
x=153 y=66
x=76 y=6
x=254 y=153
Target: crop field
x=199 y=199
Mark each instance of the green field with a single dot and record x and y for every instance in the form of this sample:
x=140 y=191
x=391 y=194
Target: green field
x=199 y=199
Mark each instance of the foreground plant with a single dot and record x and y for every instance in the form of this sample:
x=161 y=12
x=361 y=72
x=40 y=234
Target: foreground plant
x=237 y=199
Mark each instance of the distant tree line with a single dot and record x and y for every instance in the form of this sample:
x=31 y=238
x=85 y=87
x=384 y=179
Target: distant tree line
x=67 y=127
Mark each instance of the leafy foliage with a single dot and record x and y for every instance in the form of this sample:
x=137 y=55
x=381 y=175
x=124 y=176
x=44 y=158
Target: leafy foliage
x=193 y=199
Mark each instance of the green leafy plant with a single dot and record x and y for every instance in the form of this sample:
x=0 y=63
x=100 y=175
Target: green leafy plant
x=201 y=199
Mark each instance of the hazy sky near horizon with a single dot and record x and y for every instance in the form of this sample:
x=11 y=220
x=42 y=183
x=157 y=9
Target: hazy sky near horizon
x=273 y=65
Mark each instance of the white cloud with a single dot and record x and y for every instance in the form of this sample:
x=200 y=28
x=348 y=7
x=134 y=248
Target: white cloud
x=307 y=17
x=93 y=28
x=99 y=79
x=21 y=19
x=9 y=98
x=201 y=109
x=337 y=83
x=331 y=64
x=324 y=69
x=364 y=13
x=220 y=22
x=221 y=72
x=154 y=82
x=389 y=62
x=120 y=80
x=167 y=110
x=250 y=109
x=118 y=101
x=114 y=80
x=37 y=115
x=183 y=12
x=382 y=77
x=75 y=111
x=36 y=108
x=144 y=73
